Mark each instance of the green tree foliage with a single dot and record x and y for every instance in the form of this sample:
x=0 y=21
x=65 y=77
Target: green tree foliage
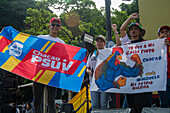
x=77 y=16
x=33 y=17
x=130 y=8
x=126 y=10
x=118 y=18
x=69 y=5
x=13 y=12
x=37 y=22
x=80 y=15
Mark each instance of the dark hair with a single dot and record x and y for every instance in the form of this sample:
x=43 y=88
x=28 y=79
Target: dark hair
x=141 y=30
x=29 y=105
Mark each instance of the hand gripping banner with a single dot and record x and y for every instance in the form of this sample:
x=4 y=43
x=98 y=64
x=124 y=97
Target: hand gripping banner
x=47 y=62
x=134 y=68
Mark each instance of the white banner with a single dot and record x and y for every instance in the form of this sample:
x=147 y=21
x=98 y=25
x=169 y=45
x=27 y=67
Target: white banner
x=133 y=68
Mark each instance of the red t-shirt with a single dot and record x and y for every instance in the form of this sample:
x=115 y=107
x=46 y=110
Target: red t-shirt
x=168 y=59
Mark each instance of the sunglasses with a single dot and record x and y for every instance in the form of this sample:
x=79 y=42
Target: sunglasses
x=58 y=25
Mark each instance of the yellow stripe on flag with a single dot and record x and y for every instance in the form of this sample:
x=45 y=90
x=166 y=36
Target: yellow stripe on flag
x=22 y=37
x=42 y=49
x=78 y=99
x=1 y=37
x=81 y=72
x=46 y=77
x=49 y=47
x=10 y=64
x=38 y=74
x=169 y=49
x=6 y=48
x=155 y=92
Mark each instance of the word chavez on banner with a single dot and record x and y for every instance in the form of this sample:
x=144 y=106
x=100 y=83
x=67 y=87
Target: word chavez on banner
x=133 y=68
x=47 y=62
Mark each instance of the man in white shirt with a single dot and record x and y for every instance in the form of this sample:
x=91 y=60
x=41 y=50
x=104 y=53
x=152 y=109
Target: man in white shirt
x=55 y=26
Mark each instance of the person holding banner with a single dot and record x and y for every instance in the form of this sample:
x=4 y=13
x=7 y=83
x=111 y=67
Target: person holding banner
x=163 y=32
x=54 y=26
x=98 y=99
x=164 y=96
x=139 y=100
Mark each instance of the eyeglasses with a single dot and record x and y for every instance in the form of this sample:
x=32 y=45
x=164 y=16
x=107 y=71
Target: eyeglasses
x=58 y=25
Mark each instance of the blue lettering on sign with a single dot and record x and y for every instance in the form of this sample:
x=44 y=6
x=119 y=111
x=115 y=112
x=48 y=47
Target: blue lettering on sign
x=152 y=59
x=148 y=78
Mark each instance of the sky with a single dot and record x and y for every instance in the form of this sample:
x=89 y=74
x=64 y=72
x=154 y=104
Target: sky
x=114 y=3
x=101 y=3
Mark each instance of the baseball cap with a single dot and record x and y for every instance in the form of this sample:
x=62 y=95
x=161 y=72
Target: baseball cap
x=55 y=19
x=101 y=37
x=163 y=27
x=140 y=27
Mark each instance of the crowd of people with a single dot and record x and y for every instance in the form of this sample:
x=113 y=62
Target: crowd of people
x=139 y=100
x=134 y=34
x=25 y=107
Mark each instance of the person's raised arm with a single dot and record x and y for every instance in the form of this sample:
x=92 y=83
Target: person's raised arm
x=114 y=27
x=126 y=23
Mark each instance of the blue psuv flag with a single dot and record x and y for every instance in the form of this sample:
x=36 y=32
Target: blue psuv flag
x=40 y=60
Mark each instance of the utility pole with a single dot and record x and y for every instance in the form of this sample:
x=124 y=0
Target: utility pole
x=108 y=20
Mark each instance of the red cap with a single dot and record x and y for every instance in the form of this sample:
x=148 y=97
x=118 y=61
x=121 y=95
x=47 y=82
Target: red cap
x=163 y=27
x=55 y=19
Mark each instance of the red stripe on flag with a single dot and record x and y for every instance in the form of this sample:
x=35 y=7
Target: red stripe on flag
x=4 y=42
x=46 y=59
x=26 y=69
x=85 y=59
x=29 y=70
x=66 y=51
x=40 y=75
